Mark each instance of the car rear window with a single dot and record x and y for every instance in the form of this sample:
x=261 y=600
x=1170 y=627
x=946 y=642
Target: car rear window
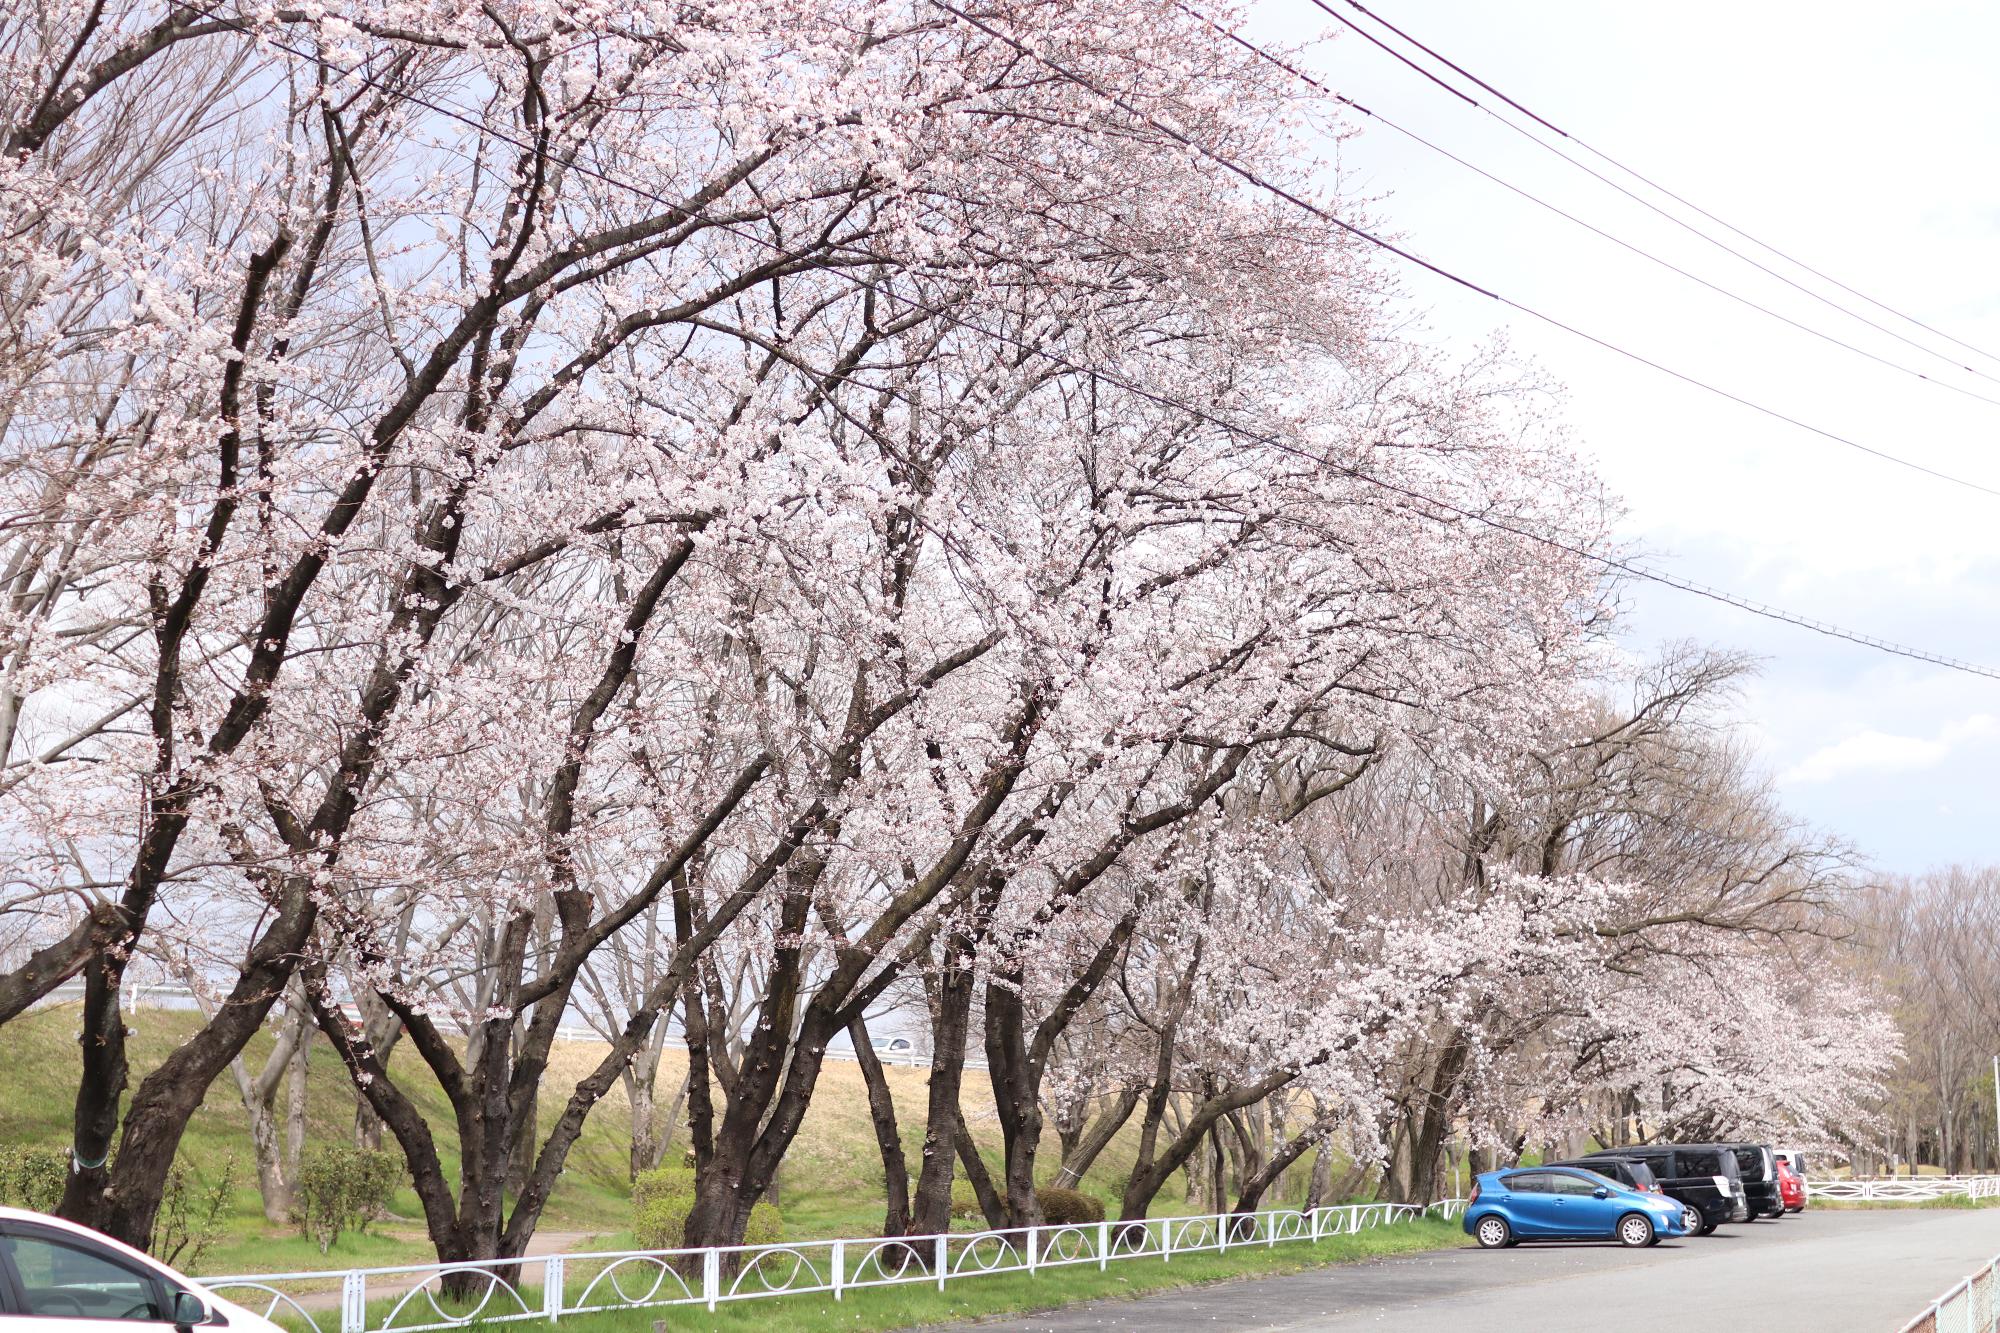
x=1697 y=1162
x=1752 y=1163
x=1642 y=1175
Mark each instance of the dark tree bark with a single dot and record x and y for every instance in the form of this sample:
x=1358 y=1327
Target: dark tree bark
x=888 y=1137
x=1250 y=1194
x=773 y=1089
x=1097 y=1135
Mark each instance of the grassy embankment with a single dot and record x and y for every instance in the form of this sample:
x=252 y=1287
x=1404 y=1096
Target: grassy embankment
x=830 y=1185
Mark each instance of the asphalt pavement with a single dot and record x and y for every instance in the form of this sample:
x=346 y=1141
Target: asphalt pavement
x=1821 y=1271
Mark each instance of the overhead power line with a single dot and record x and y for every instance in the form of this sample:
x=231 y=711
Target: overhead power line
x=1615 y=563
x=1311 y=80
x=1363 y=234
x=1459 y=93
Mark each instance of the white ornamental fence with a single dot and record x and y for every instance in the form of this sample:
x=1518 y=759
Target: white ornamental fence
x=1906 y=1189
x=411 y=1298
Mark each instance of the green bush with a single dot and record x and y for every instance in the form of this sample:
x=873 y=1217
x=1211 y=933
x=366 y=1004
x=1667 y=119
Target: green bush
x=660 y=1203
x=33 y=1178
x=662 y=1199
x=766 y=1225
x=1061 y=1207
x=189 y=1219
x=341 y=1187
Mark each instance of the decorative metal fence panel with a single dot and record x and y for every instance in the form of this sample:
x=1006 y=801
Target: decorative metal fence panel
x=421 y=1298
x=1906 y=1189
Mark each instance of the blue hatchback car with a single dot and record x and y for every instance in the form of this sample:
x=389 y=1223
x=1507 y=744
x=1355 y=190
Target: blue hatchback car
x=1560 y=1203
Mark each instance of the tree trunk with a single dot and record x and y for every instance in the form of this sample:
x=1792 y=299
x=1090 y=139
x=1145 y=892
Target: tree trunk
x=121 y=1198
x=272 y=1184
x=888 y=1137
x=1252 y=1191
x=1320 y=1188
x=990 y=1203
x=951 y=1021
x=1096 y=1136
x=103 y=1083
x=296 y=1088
x=1017 y=1098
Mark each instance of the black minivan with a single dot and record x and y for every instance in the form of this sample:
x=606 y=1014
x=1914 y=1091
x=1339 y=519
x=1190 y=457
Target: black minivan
x=1760 y=1178
x=1704 y=1177
x=1627 y=1171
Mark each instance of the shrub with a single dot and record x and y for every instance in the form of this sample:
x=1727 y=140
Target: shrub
x=965 y=1202
x=190 y=1217
x=660 y=1203
x=662 y=1199
x=1061 y=1207
x=766 y=1225
x=342 y=1187
x=33 y=1178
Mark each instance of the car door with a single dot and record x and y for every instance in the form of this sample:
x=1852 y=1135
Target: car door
x=58 y=1282
x=1579 y=1211
x=1531 y=1205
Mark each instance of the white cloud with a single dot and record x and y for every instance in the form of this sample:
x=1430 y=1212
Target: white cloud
x=1883 y=752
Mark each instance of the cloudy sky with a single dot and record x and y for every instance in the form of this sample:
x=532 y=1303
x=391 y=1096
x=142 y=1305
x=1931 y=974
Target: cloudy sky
x=1861 y=139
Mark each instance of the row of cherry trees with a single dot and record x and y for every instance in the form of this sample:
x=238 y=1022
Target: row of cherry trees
x=729 y=516
x=1936 y=940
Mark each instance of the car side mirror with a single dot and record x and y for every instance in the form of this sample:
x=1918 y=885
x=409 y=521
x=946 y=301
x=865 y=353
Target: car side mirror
x=188 y=1311
x=1600 y=1193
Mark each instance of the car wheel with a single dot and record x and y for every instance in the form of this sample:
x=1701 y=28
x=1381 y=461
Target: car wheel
x=1691 y=1220
x=1708 y=1228
x=1493 y=1233
x=1635 y=1230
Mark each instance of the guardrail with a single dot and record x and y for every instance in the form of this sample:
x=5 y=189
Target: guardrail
x=1969 y=1307
x=1906 y=1189
x=412 y=1298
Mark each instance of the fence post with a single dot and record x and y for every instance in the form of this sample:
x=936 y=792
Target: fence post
x=711 y=1277
x=943 y=1258
x=1103 y=1245
x=353 y=1303
x=552 y=1287
x=1270 y=1231
x=1034 y=1248
x=1222 y=1230
x=839 y=1267
x=1166 y=1240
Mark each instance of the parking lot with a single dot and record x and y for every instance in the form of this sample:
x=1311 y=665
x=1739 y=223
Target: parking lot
x=1863 y=1270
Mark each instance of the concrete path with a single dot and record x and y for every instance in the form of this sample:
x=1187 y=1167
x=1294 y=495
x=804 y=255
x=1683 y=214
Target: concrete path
x=1815 y=1272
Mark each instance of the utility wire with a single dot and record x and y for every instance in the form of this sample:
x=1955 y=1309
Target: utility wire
x=1320 y=86
x=1650 y=205
x=1617 y=564
x=1360 y=233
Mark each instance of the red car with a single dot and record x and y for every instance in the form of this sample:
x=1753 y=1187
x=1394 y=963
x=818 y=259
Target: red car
x=1791 y=1188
